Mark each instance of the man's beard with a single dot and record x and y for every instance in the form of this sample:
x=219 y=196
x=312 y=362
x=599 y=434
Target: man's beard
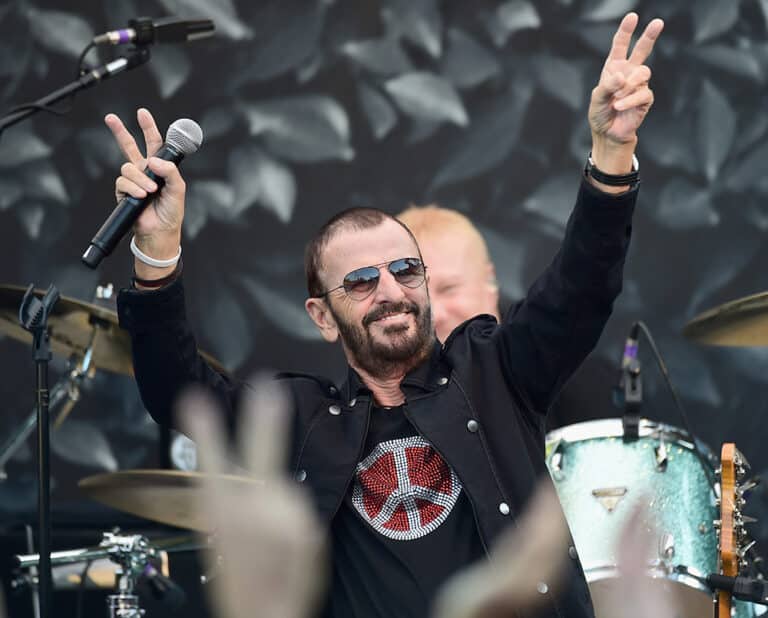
x=379 y=358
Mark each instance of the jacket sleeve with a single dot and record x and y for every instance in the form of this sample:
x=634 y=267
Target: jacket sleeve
x=546 y=337
x=165 y=357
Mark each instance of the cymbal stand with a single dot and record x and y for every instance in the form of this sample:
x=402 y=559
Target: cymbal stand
x=66 y=392
x=132 y=554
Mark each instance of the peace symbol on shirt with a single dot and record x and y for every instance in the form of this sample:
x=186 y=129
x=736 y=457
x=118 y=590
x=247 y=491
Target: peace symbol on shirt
x=404 y=489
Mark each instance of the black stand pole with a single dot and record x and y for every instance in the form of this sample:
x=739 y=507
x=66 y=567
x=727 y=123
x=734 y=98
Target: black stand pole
x=136 y=57
x=33 y=316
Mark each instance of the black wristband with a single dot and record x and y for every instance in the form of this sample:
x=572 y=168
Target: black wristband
x=613 y=180
x=158 y=283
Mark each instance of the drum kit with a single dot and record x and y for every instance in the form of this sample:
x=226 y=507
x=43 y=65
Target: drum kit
x=598 y=472
x=601 y=475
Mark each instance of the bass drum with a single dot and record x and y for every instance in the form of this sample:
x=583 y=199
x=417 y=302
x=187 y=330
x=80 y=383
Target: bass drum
x=600 y=478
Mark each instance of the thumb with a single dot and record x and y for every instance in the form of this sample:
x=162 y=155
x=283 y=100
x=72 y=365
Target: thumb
x=169 y=172
x=610 y=84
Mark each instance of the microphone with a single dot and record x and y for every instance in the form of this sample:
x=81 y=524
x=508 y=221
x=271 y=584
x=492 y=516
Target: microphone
x=146 y=31
x=629 y=391
x=183 y=137
x=630 y=347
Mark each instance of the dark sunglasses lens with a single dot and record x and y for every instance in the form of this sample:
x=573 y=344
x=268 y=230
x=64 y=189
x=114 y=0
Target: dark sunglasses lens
x=361 y=282
x=408 y=272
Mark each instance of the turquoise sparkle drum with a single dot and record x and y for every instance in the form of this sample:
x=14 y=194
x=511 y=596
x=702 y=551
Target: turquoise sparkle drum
x=600 y=478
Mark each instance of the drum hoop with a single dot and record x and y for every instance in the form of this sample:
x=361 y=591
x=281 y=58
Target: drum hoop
x=600 y=572
x=612 y=428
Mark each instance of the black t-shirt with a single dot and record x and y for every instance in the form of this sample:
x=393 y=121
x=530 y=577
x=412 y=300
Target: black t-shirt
x=404 y=527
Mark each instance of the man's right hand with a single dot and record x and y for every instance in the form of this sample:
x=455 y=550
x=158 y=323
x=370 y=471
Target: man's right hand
x=158 y=229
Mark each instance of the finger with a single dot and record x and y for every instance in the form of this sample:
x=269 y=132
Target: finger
x=607 y=87
x=169 y=172
x=137 y=176
x=124 y=187
x=647 y=40
x=152 y=137
x=197 y=413
x=623 y=37
x=124 y=139
x=265 y=425
x=641 y=98
x=638 y=77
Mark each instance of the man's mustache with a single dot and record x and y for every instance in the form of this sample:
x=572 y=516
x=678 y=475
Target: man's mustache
x=384 y=309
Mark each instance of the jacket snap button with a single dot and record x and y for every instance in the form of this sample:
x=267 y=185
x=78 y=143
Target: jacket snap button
x=504 y=508
x=335 y=410
x=473 y=426
x=333 y=390
x=301 y=476
x=542 y=588
x=572 y=552
x=353 y=402
x=443 y=381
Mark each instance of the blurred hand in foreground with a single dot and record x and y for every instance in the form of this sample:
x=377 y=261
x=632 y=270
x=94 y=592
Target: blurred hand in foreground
x=270 y=542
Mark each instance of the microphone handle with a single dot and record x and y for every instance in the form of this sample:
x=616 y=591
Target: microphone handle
x=125 y=214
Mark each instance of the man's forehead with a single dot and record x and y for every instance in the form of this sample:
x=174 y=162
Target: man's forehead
x=351 y=248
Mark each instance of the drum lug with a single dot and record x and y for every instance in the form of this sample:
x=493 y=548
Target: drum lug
x=556 y=461
x=667 y=546
x=662 y=457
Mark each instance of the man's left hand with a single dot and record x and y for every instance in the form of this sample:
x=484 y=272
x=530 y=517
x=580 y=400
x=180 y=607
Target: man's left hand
x=622 y=97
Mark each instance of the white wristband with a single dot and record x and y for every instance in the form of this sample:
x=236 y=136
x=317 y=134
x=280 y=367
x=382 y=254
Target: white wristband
x=143 y=257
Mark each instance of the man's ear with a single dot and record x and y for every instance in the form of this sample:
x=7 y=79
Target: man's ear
x=493 y=285
x=321 y=315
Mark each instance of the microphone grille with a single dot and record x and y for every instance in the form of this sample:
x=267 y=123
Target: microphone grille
x=185 y=135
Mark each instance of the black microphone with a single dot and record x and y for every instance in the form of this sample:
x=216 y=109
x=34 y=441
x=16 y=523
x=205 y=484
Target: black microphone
x=629 y=391
x=183 y=137
x=628 y=362
x=630 y=347
x=146 y=31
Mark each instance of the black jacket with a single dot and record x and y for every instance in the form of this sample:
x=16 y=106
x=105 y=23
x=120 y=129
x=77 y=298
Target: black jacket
x=480 y=401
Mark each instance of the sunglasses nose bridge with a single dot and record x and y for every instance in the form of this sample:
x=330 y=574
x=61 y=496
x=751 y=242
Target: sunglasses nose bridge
x=388 y=287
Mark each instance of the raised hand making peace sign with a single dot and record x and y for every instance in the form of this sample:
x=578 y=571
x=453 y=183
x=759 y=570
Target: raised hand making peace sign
x=622 y=98
x=158 y=229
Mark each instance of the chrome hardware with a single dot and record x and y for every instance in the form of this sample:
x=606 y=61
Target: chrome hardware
x=556 y=460
x=667 y=546
x=662 y=456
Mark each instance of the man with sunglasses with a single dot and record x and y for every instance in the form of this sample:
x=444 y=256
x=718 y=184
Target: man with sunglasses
x=427 y=451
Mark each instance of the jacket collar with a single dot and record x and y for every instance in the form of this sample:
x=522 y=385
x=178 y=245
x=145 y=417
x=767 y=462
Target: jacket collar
x=424 y=377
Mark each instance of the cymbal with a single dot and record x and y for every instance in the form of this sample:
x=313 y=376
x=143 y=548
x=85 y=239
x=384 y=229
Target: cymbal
x=165 y=496
x=71 y=325
x=742 y=322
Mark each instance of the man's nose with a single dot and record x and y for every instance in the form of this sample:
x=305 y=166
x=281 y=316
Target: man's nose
x=388 y=289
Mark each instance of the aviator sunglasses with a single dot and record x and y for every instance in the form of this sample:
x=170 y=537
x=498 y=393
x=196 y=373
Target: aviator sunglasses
x=360 y=283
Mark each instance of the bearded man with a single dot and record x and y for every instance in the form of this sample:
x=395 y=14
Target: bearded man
x=427 y=451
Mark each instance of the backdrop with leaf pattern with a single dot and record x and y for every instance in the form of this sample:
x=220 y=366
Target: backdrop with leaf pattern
x=310 y=107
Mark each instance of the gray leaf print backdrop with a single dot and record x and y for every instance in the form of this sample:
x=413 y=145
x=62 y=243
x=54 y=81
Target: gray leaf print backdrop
x=309 y=107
